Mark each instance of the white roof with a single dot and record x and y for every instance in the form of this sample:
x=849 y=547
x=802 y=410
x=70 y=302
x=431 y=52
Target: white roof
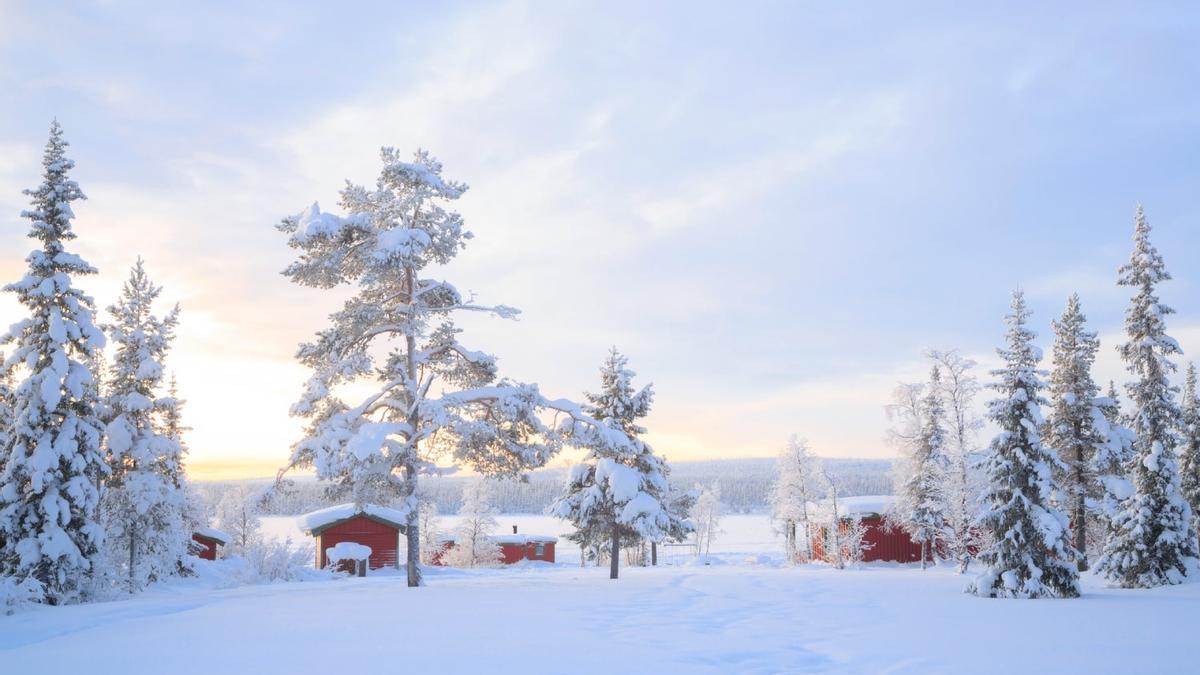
x=213 y=533
x=324 y=517
x=860 y=506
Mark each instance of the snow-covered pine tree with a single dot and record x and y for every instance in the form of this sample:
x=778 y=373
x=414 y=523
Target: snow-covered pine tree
x=962 y=482
x=1031 y=555
x=619 y=493
x=6 y=417
x=1189 y=449
x=473 y=542
x=1110 y=464
x=49 y=490
x=791 y=496
x=144 y=506
x=1152 y=542
x=434 y=399
x=1076 y=427
x=920 y=503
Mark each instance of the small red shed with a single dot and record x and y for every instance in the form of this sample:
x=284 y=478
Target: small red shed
x=375 y=526
x=206 y=540
x=881 y=541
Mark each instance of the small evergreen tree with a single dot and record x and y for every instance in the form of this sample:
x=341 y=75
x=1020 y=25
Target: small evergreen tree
x=1152 y=542
x=49 y=489
x=1076 y=427
x=920 y=504
x=619 y=492
x=792 y=493
x=145 y=503
x=1031 y=554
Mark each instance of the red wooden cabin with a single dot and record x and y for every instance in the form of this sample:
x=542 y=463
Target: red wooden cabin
x=374 y=526
x=513 y=547
x=206 y=540
x=882 y=542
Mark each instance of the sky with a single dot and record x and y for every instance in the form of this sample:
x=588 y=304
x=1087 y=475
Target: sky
x=772 y=211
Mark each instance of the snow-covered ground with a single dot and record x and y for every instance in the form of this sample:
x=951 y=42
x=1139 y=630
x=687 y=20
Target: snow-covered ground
x=741 y=614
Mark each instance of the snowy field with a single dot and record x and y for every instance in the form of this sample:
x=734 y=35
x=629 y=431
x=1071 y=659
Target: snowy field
x=741 y=614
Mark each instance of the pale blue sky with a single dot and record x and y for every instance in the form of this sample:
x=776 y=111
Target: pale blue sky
x=773 y=211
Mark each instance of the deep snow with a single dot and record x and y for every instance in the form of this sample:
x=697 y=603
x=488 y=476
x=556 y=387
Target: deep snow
x=732 y=616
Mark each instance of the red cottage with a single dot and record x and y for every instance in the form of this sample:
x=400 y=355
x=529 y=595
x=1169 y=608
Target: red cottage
x=890 y=544
x=206 y=540
x=374 y=526
x=513 y=547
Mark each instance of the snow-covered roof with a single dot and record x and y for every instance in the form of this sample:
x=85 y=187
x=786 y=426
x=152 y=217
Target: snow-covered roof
x=861 y=506
x=315 y=522
x=213 y=533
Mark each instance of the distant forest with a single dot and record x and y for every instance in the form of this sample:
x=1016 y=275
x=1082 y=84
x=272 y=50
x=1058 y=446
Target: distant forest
x=745 y=484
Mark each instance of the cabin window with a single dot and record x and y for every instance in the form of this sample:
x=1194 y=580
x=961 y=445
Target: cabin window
x=539 y=550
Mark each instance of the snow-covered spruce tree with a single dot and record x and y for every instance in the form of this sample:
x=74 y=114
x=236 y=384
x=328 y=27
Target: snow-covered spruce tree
x=1189 y=449
x=1031 y=555
x=434 y=399
x=6 y=416
x=920 y=504
x=49 y=489
x=962 y=483
x=1110 y=464
x=618 y=493
x=792 y=493
x=1076 y=427
x=473 y=542
x=1152 y=542
x=144 y=505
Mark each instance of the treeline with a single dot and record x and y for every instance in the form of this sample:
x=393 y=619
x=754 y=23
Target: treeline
x=745 y=486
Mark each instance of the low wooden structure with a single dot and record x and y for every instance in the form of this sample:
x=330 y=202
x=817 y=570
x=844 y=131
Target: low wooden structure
x=881 y=542
x=206 y=540
x=377 y=527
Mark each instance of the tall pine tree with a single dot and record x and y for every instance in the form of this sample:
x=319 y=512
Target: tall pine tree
x=1076 y=427
x=1030 y=555
x=434 y=400
x=49 y=489
x=145 y=503
x=1152 y=542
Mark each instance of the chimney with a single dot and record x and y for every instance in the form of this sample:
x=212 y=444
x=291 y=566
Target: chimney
x=514 y=529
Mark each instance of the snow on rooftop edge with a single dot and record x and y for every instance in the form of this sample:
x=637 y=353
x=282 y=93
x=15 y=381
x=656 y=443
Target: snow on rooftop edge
x=327 y=516
x=511 y=538
x=213 y=533
x=861 y=505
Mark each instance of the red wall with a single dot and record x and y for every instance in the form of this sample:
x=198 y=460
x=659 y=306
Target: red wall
x=210 y=547
x=512 y=553
x=383 y=539
x=887 y=544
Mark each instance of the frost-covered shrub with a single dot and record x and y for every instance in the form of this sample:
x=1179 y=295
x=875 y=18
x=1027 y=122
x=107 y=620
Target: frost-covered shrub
x=17 y=592
x=273 y=560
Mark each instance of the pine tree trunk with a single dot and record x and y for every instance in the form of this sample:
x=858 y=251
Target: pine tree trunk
x=615 y=559
x=653 y=554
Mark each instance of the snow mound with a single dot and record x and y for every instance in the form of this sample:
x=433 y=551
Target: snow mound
x=347 y=550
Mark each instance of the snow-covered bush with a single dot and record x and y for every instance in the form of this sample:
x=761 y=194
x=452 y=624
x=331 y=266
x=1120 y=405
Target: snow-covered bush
x=273 y=560
x=473 y=544
x=15 y=593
